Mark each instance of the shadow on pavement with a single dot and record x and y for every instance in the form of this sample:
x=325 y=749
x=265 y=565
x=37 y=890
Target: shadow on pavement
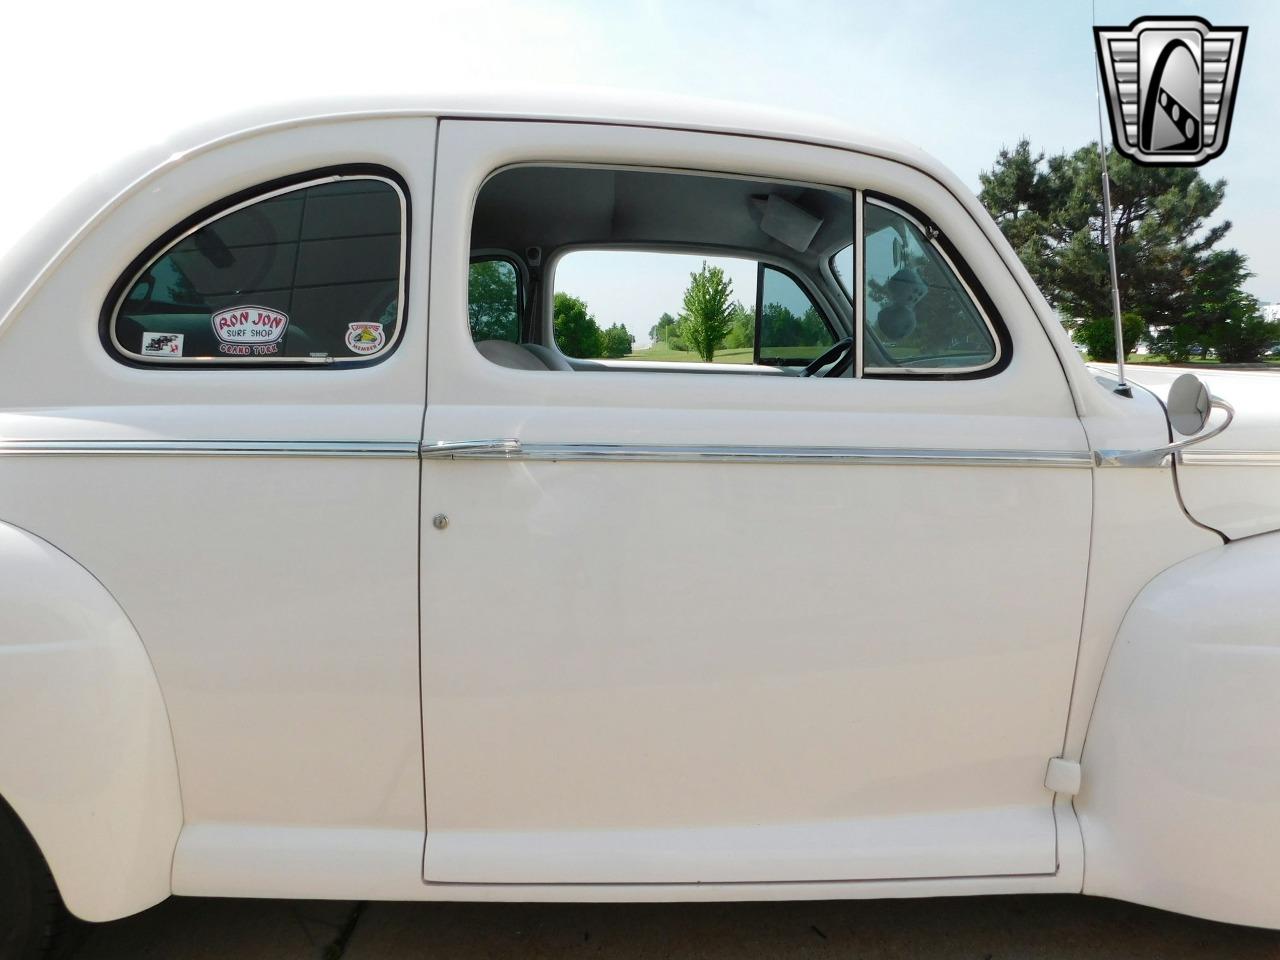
x=986 y=928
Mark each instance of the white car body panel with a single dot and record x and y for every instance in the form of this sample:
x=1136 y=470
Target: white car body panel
x=189 y=544
x=1187 y=712
x=537 y=768
x=1232 y=481
x=88 y=761
x=351 y=703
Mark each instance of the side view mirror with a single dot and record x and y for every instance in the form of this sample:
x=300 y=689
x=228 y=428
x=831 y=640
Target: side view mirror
x=1189 y=405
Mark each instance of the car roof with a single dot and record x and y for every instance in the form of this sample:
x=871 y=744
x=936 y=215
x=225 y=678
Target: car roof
x=606 y=107
x=24 y=265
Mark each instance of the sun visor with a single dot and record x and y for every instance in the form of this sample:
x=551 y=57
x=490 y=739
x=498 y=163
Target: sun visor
x=786 y=222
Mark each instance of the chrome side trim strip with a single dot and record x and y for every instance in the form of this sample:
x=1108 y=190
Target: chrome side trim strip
x=1230 y=458
x=447 y=449
x=512 y=449
x=681 y=453
x=209 y=448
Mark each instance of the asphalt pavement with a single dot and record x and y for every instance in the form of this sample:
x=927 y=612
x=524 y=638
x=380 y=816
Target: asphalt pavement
x=987 y=928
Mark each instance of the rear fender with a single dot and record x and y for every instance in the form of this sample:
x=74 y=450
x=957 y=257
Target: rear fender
x=86 y=754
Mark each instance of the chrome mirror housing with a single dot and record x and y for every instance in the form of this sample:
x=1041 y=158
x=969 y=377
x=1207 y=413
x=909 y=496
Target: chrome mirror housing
x=1189 y=407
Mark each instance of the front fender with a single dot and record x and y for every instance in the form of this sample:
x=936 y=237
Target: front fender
x=1180 y=794
x=86 y=754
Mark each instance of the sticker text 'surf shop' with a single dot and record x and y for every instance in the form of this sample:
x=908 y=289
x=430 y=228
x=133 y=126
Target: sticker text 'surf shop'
x=249 y=330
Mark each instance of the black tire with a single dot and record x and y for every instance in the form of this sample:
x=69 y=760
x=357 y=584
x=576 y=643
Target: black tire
x=31 y=911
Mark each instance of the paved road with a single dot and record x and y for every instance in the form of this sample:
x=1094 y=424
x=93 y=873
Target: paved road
x=992 y=928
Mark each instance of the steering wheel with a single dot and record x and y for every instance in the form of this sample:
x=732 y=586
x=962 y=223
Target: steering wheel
x=836 y=350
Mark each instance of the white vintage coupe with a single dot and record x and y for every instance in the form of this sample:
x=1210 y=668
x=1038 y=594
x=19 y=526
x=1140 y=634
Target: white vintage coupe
x=329 y=569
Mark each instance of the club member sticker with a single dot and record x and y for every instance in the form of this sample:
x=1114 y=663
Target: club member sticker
x=365 y=338
x=162 y=344
x=249 y=331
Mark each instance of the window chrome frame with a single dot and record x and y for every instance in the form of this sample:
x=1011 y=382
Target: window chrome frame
x=859 y=296
x=959 y=270
x=211 y=214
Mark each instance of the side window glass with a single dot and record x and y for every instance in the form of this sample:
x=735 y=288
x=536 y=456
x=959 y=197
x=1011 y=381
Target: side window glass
x=724 y=310
x=792 y=331
x=842 y=269
x=661 y=270
x=918 y=315
x=310 y=274
x=493 y=300
x=652 y=306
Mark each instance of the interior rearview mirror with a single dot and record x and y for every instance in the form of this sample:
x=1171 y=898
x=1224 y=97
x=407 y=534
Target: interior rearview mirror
x=1188 y=405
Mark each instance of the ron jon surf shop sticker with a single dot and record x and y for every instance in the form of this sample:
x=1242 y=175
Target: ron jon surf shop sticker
x=249 y=331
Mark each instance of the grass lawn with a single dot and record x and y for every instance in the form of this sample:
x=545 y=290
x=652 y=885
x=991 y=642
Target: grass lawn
x=663 y=351
x=1155 y=359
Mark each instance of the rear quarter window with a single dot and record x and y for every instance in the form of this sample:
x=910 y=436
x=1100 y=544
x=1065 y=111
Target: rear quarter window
x=309 y=273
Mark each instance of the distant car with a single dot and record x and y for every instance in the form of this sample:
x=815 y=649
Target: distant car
x=327 y=572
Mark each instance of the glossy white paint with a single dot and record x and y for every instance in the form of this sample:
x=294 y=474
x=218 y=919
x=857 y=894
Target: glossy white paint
x=861 y=698
x=275 y=596
x=1138 y=531
x=374 y=864
x=1232 y=482
x=87 y=760
x=1179 y=802
x=779 y=703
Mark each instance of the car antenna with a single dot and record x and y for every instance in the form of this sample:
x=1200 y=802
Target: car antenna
x=1122 y=386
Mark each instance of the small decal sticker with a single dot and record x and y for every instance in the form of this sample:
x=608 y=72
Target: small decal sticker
x=249 y=331
x=162 y=344
x=365 y=337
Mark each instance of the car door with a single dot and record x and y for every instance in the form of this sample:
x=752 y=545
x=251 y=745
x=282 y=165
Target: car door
x=735 y=628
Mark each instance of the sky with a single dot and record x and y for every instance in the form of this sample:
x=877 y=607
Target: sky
x=86 y=82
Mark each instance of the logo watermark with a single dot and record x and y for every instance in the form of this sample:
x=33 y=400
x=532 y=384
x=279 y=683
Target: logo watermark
x=1171 y=87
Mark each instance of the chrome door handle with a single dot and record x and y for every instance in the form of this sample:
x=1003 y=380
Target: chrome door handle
x=448 y=449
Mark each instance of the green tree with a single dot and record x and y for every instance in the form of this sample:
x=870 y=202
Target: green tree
x=616 y=342
x=742 y=329
x=1050 y=209
x=1178 y=343
x=1244 y=340
x=1098 y=337
x=492 y=301
x=779 y=327
x=667 y=330
x=576 y=331
x=661 y=330
x=708 y=312
x=1222 y=315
